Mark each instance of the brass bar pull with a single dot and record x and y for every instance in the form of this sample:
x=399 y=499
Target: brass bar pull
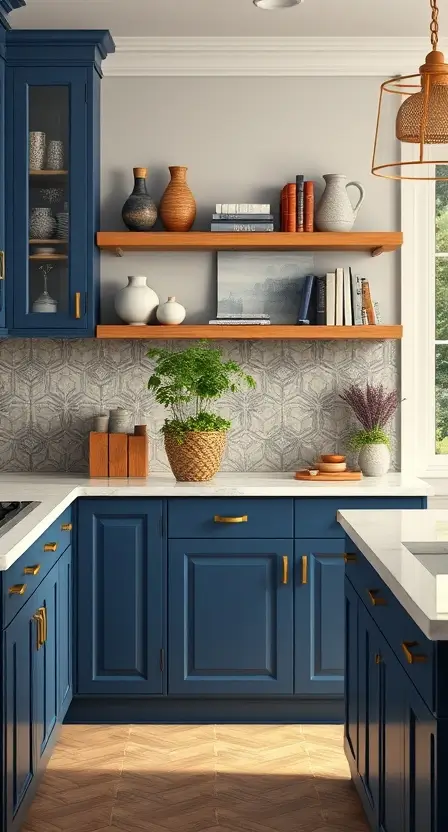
x=42 y=611
x=378 y=659
x=349 y=558
x=285 y=569
x=66 y=527
x=376 y=601
x=2 y=265
x=17 y=589
x=38 y=618
x=304 y=569
x=50 y=547
x=218 y=519
x=412 y=658
x=32 y=570
x=77 y=305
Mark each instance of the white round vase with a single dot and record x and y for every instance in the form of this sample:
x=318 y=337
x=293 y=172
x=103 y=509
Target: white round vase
x=136 y=303
x=374 y=460
x=171 y=313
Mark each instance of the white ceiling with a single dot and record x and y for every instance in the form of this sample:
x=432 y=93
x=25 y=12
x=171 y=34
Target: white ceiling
x=205 y=18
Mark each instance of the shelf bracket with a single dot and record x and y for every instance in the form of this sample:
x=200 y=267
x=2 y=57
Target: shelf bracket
x=377 y=251
x=119 y=252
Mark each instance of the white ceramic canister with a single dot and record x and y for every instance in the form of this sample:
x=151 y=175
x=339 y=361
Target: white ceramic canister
x=374 y=460
x=136 y=303
x=171 y=313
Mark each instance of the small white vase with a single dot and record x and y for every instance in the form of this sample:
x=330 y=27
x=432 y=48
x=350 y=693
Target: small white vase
x=171 y=313
x=374 y=460
x=136 y=303
x=335 y=212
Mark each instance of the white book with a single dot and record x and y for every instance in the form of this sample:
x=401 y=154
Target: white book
x=357 y=300
x=242 y=208
x=330 y=298
x=348 y=317
x=339 y=314
x=376 y=309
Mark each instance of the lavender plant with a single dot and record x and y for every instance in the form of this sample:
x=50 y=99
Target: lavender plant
x=374 y=408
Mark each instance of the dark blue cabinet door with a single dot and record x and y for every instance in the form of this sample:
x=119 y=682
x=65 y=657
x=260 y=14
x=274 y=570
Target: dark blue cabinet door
x=120 y=596
x=46 y=698
x=230 y=617
x=369 y=653
x=420 y=748
x=19 y=671
x=351 y=673
x=392 y=685
x=319 y=616
x=65 y=623
x=2 y=196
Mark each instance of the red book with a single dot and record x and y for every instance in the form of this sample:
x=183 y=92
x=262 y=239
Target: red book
x=291 y=207
x=309 y=206
x=284 y=203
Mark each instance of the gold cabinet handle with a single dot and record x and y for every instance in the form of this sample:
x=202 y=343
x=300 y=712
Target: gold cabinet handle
x=412 y=658
x=285 y=569
x=2 y=265
x=218 y=519
x=376 y=601
x=304 y=569
x=77 y=305
x=66 y=527
x=50 y=547
x=32 y=570
x=38 y=618
x=378 y=658
x=17 y=589
x=349 y=558
x=43 y=610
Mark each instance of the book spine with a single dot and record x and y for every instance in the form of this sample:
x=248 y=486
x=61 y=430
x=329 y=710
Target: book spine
x=242 y=226
x=330 y=298
x=367 y=304
x=243 y=217
x=365 y=320
x=348 y=318
x=299 y=202
x=247 y=316
x=376 y=309
x=240 y=322
x=320 y=304
x=284 y=198
x=308 y=190
x=242 y=208
x=357 y=300
x=292 y=202
x=303 y=316
x=339 y=316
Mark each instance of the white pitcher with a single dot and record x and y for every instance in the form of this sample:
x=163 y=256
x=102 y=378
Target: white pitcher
x=335 y=212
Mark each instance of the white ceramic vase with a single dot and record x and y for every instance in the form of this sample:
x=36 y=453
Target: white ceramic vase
x=171 y=313
x=374 y=460
x=335 y=212
x=136 y=303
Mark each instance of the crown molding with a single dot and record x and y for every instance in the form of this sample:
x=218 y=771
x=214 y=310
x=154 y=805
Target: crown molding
x=263 y=57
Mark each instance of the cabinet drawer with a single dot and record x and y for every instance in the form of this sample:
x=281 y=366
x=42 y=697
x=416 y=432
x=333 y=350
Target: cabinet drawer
x=316 y=516
x=34 y=557
x=230 y=517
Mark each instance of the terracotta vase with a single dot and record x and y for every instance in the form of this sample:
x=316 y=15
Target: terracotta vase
x=178 y=206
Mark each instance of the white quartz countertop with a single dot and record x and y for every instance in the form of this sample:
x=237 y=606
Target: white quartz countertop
x=409 y=551
x=54 y=492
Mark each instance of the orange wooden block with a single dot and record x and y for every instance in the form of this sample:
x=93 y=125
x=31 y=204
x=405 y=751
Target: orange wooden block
x=98 y=454
x=118 y=454
x=138 y=456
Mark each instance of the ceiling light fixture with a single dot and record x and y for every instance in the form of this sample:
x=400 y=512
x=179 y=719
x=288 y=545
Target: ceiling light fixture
x=273 y=5
x=422 y=117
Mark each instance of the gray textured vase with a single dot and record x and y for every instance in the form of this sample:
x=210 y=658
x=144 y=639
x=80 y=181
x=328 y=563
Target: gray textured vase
x=55 y=155
x=37 y=147
x=374 y=460
x=335 y=212
x=42 y=224
x=139 y=211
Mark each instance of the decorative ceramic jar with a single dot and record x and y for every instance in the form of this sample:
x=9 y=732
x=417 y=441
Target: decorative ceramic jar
x=136 y=303
x=63 y=222
x=42 y=224
x=37 y=146
x=55 y=155
x=139 y=211
x=171 y=313
x=335 y=212
x=178 y=206
x=374 y=460
x=120 y=420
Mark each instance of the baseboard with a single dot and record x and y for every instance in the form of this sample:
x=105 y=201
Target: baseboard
x=99 y=709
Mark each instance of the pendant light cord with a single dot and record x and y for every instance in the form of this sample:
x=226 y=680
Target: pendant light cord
x=434 y=27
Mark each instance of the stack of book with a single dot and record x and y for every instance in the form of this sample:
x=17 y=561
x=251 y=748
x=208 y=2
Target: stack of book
x=297 y=205
x=242 y=216
x=242 y=320
x=341 y=298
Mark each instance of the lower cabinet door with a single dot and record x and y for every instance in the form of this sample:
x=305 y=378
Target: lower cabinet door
x=230 y=617
x=393 y=681
x=351 y=672
x=370 y=642
x=65 y=623
x=420 y=741
x=120 y=596
x=319 y=617
x=46 y=699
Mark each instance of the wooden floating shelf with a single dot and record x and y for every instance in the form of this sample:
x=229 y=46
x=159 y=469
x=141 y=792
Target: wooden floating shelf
x=48 y=257
x=374 y=242
x=48 y=172
x=258 y=333
x=51 y=242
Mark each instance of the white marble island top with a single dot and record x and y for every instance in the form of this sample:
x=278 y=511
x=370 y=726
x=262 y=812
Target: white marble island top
x=409 y=551
x=54 y=492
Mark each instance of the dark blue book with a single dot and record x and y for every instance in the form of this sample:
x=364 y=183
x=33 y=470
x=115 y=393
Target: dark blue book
x=303 y=316
x=321 y=309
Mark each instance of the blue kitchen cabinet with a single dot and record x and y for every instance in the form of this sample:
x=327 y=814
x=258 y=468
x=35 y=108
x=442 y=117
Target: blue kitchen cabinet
x=65 y=632
x=46 y=701
x=230 y=617
x=369 y=653
x=52 y=185
x=393 y=683
x=2 y=180
x=351 y=718
x=319 y=617
x=120 y=597
x=420 y=767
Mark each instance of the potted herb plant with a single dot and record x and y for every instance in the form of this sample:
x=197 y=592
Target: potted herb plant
x=187 y=382
x=374 y=408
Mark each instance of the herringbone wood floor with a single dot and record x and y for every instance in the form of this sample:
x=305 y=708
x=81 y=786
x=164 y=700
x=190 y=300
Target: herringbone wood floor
x=197 y=778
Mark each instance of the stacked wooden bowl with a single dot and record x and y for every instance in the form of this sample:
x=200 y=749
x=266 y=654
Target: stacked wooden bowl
x=331 y=464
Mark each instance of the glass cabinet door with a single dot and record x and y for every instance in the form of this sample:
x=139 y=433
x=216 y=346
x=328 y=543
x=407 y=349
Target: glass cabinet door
x=50 y=199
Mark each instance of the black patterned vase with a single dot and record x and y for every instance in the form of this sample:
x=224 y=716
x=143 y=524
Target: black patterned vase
x=139 y=211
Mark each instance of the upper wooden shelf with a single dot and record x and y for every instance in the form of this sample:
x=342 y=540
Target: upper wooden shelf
x=375 y=242
x=234 y=332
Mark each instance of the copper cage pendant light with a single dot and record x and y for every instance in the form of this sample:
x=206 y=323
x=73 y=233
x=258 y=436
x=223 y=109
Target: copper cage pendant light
x=422 y=117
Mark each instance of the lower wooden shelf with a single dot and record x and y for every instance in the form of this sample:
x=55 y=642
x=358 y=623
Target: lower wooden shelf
x=259 y=333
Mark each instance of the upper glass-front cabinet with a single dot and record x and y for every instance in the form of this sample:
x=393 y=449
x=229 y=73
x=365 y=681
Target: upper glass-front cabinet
x=53 y=189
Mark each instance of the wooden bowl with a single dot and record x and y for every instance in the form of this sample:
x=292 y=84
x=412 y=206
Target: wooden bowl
x=332 y=458
x=332 y=467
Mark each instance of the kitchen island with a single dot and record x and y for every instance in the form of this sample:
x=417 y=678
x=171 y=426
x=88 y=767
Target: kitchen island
x=396 y=660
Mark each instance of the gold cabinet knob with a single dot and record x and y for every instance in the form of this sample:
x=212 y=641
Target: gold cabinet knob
x=66 y=527
x=32 y=570
x=50 y=547
x=412 y=658
x=349 y=558
x=218 y=519
x=17 y=589
x=375 y=599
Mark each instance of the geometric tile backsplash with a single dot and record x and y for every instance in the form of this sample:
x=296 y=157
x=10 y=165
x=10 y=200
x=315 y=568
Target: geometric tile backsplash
x=51 y=389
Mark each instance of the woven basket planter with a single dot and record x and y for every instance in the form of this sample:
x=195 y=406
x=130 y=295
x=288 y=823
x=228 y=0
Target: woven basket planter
x=199 y=456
